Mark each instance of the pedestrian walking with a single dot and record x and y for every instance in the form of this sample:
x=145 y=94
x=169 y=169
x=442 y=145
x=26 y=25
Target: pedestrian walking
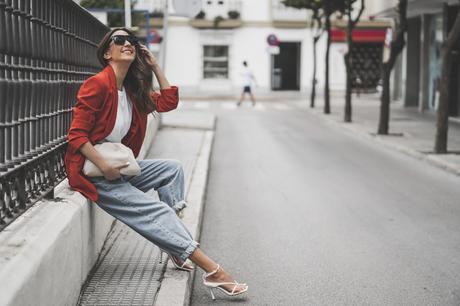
x=248 y=81
x=112 y=106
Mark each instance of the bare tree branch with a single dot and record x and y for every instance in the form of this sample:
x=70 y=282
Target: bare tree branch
x=355 y=21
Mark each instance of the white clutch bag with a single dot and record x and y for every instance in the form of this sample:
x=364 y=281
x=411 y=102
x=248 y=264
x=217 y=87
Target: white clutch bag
x=116 y=155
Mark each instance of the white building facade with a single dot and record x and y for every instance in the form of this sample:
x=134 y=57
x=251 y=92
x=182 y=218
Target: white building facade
x=201 y=58
x=206 y=54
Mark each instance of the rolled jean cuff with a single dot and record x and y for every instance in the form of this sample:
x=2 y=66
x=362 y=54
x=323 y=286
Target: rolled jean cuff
x=189 y=251
x=179 y=205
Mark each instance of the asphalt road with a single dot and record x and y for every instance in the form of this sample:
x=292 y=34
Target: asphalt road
x=309 y=215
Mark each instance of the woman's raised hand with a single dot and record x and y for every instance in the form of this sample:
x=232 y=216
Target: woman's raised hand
x=149 y=57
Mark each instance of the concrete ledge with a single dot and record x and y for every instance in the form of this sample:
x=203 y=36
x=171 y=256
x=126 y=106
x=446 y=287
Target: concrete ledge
x=176 y=285
x=47 y=253
x=189 y=120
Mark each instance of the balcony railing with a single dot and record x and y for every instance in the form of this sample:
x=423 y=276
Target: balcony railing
x=47 y=48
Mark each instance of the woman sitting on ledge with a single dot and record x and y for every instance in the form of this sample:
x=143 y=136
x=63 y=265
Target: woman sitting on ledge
x=112 y=106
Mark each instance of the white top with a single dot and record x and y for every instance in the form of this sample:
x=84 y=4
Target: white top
x=247 y=76
x=124 y=117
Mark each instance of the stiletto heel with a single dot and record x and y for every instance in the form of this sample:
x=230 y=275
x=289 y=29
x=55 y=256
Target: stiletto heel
x=179 y=265
x=213 y=285
x=161 y=256
x=180 y=213
x=212 y=294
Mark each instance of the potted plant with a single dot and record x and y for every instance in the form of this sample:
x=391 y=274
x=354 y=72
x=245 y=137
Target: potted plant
x=233 y=14
x=217 y=20
x=200 y=15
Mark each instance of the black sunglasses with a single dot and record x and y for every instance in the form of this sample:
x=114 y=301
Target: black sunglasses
x=121 y=39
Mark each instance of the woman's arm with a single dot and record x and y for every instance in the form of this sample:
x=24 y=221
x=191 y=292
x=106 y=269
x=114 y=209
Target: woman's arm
x=90 y=99
x=168 y=98
x=110 y=173
x=152 y=61
x=164 y=84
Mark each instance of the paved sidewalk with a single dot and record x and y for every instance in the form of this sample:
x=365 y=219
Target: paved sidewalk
x=129 y=271
x=411 y=132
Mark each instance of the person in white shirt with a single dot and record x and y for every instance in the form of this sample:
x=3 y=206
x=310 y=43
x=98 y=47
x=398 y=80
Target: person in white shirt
x=248 y=81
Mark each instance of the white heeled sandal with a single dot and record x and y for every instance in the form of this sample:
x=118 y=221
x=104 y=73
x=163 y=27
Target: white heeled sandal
x=179 y=265
x=212 y=285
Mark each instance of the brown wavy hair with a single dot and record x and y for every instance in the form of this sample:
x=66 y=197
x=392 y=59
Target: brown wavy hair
x=138 y=80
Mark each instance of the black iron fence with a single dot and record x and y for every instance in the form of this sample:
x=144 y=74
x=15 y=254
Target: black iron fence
x=47 y=49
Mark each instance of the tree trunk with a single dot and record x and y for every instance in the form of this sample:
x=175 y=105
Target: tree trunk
x=385 y=100
x=396 y=46
x=327 y=105
x=442 y=124
x=313 y=85
x=348 y=110
x=348 y=59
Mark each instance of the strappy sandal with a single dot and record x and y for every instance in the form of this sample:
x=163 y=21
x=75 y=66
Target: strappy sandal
x=180 y=213
x=177 y=262
x=213 y=285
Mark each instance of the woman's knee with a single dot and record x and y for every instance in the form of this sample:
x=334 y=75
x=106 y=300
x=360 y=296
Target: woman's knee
x=174 y=165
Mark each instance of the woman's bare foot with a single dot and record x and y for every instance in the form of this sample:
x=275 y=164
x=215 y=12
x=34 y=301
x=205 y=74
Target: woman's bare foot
x=180 y=263
x=223 y=277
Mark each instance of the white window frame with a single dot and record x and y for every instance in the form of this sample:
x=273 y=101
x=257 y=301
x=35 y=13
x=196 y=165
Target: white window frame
x=216 y=59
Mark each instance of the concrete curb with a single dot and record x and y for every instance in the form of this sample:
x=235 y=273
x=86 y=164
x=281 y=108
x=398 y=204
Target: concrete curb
x=50 y=238
x=47 y=253
x=433 y=159
x=176 y=285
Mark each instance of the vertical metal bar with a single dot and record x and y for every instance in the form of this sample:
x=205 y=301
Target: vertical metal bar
x=8 y=27
x=2 y=27
x=33 y=111
x=16 y=86
x=15 y=18
x=9 y=92
x=3 y=84
x=46 y=51
x=38 y=107
x=21 y=110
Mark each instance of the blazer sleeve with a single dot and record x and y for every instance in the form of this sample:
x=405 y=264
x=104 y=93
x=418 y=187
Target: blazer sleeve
x=167 y=99
x=90 y=98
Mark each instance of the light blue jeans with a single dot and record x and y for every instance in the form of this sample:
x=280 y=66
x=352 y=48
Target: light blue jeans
x=126 y=200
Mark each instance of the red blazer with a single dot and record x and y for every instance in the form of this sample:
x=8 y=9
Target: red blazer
x=94 y=117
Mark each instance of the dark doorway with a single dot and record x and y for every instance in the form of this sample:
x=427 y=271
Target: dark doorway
x=450 y=14
x=286 y=67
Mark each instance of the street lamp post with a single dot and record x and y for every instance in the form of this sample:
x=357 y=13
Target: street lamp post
x=165 y=34
x=128 y=23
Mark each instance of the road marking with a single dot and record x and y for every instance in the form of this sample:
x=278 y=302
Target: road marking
x=280 y=106
x=229 y=105
x=260 y=107
x=232 y=106
x=201 y=105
